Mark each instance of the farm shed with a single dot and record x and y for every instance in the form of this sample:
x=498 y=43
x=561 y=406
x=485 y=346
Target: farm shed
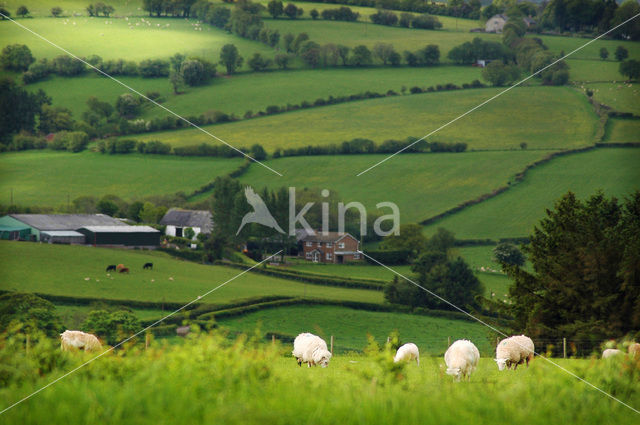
x=15 y=233
x=38 y=223
x=62 y=236
x=177 y=220
x=130 y=236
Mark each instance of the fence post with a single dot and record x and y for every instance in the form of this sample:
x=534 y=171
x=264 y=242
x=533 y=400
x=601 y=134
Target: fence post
x=147 y=339
x=564 y=348
x=448 y=341
x=332 y=345
x=273 y=339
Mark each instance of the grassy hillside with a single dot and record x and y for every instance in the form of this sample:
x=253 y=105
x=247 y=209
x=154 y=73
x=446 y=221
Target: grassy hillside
x=543 y=117
x=515 y=212
x=438 y=181
x=623 y=130
x=42 y=8
x=350 y=327
x=585 y=70
x=49 y=178
x=252 y=91
x=130 y=38
x=622 y=97
x=592 y=51
x=62 y=270
x=355 y=33
x=244 y=384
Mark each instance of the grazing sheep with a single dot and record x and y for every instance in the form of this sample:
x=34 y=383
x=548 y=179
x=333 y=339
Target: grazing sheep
x=611 y=352
x=311 y=349
x=407 y=353
x=461 y=358
x=514 y=350
x=80 y=340
x=634 y=350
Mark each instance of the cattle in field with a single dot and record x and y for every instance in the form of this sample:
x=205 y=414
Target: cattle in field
x=124 y=270
x=79 y=340
x=111 y=267
x=148 y=266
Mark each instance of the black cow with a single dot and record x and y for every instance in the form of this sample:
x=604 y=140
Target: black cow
x=148 y=266
x=111 y=267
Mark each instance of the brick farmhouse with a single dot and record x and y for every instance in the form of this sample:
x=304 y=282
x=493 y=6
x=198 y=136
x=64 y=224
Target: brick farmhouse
x=331 y=247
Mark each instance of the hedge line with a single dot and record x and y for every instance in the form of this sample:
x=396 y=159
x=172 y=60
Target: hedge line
x=78 y=301
x=517 y=179
x=309 y=278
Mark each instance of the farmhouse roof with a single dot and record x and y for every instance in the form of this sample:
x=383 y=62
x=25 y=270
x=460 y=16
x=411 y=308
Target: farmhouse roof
x=121 y=229
x=500 y=16
x=189 y=218
x=66 y=221
x=326 y=237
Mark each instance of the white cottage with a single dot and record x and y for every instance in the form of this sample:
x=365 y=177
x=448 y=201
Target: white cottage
x=177 y=220
x=495 y=23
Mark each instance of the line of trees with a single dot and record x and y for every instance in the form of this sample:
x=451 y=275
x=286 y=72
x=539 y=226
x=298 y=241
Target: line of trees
x=457 y=8
x=406 y=20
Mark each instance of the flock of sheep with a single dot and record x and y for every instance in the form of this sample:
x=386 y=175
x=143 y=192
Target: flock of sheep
x=461 y=357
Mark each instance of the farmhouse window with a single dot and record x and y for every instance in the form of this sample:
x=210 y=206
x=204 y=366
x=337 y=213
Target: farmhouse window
x=329 y=256
x=308 y=255
x=329 y=244
x=356 y=256
x=340 y=244
x=309 y=243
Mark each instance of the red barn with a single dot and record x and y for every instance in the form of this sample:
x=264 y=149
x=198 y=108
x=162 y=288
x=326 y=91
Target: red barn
x=331 y=247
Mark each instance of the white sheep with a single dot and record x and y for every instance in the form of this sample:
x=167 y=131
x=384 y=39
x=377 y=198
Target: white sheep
x=611 y=352
x=407 y=353
x=461 y=358
x=80 y=340
x=514 y=350
x=311 y=349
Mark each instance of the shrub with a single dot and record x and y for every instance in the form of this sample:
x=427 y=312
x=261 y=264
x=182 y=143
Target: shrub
x=67 y=66
x=16 y=57
x=153 y=68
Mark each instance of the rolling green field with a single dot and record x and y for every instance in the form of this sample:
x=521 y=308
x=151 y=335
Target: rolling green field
x=363 y=271
x=352 y=34
x=241 y=383
x=42 y=8
x=590 y=71
x=252 y=92
x=622 y=97
x=131 y=38
x=350 y=327
x=62 y=270
x=51 y=178
x=438 y=181
x=73 y=316
x=622 y=130
x=542 y=117
x=515 y=212
x=559 y=44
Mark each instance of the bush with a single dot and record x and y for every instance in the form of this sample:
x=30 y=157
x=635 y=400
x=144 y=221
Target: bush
x=154 y=68
x=67 y=66
x=384 y=17
x=426 y=22
x=16 y=57
x=72 y=141
x=37 y=71
x=389 y=257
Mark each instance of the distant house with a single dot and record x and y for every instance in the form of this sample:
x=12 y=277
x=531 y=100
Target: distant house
x=495 y=23
x=332 y=247
x=177 y=220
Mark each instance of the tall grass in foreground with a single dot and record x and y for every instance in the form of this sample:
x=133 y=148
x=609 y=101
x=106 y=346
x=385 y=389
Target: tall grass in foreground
x=211 y=379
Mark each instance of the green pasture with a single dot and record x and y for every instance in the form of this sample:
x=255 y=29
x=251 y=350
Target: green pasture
x=42 y=8
x=48 y=178
x=251 y=91
x=623 y=130
x=350 y=327
x=63 y=270
x=422 y=185
x=541 y=117
x=559 y=44
x=593 y=71
x=352 y=34
x=515 y=212
x=135 y=38
x=361 y=270
x=241 y=383
x=620 y=96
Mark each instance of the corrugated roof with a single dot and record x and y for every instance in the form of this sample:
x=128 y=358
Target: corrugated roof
x=120 y=229
x=188 y=218
x=62 y=233
x=66 y=221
